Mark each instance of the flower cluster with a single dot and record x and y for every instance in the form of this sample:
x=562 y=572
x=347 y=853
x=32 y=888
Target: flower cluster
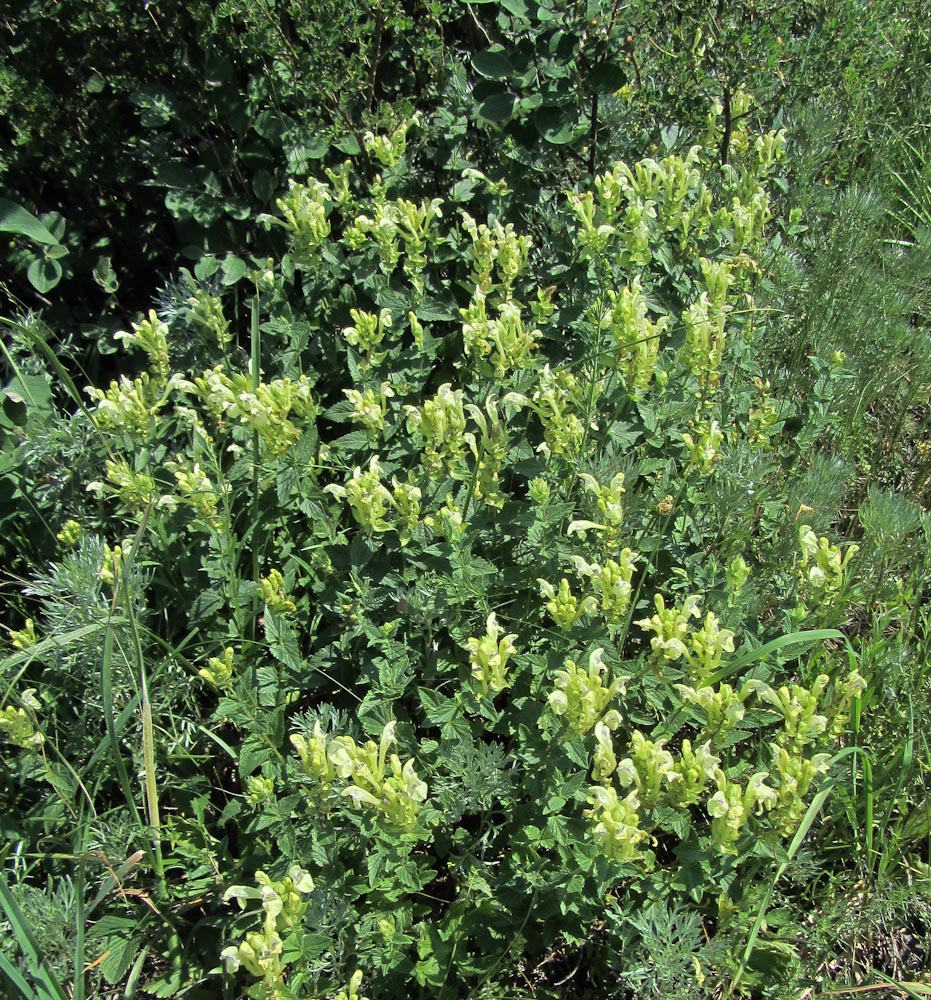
x=492 y=246
x=378 y=779
x=219 y=670
x=367 y=333
x=388 y=149
x=612 y=583
x=265 y=409
x=659 y=778
x=722 y=707
x=370 y=408
x=195 y=489
x=396 y=223
x=705 y=452
x=130 y=406
x=489 y=655
x=271 y=589
x=24 y=637
x=262 y=952
x=636 y=338
x=442 y=422
x=151 y=337
x=304 y=209
x=206 y=311
x=563 y=607
x=371 y=501
x=581 y=696
x=71 y=533
x=822 y=566
x=489 y=448
x=19 y=725
x=732 y=804
x=634 y=205
x=113 y=560
x=500 y=344
x=616 y=823
x=135 y=490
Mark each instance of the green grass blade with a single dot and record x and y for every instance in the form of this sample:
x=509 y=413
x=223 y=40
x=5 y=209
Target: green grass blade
x=801 y=833
x=35 y=960
x=55 y=364
x=757 y=653
x=9 y=975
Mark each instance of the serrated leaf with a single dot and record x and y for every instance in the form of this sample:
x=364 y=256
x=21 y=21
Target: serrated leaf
x=252 y=755
x=118 y=957
x=111 y=924
x=577 y=753
x=167 y=986
x=438 y=708
x=282 y=641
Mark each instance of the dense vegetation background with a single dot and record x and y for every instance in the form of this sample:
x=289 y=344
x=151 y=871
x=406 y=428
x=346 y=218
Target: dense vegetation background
x=464 y=500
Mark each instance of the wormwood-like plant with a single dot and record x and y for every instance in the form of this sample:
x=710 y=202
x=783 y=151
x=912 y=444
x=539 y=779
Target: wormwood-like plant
x=430 y=546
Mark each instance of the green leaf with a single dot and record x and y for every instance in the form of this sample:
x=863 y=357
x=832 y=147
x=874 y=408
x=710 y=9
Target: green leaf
x=157 y=105
x=206 y=267
x=498 y=107
x=15 y=219
x=493 y=63
x=14 y=409
x=264 y=185
x=120 y=952
x=518 y=8
x=282 y=640
x=36 y=962
x=233 y=269
x=349 y=145
x=555 y=125
x=606 y=78
x=438 y=708
x=252 y=755
x=44 y=274
x=105 y=276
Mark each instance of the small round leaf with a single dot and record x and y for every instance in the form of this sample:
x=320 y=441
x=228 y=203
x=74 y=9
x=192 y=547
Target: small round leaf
x=44 y=274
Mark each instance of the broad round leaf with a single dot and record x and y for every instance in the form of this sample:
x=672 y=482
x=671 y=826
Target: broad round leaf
x=493 y=63
x=205 y=267
x=233 y=269
x=44 y=274
x=555 y=125
x=498 y=107
x=518 y=8
x=606 y=78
